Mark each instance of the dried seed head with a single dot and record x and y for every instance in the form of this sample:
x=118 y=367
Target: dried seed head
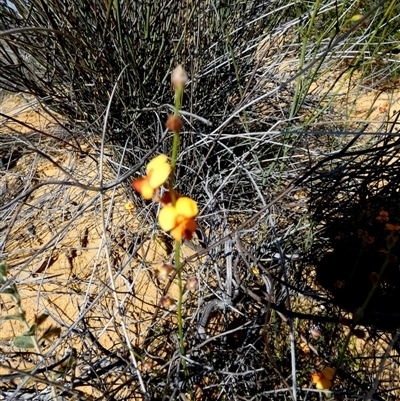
x=192 y=284
x=167 y=302
x=163 y=270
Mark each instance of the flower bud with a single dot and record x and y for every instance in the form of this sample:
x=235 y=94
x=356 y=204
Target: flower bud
x=174 y=123
x=374 y=278
x=179 y=77
x=328 y=373
x=356 y=18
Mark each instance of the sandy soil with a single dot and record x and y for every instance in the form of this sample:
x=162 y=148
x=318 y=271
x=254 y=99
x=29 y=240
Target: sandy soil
x=66 y=260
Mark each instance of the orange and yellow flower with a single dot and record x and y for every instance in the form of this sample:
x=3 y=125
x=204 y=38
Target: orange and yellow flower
x=157 y=172
x=383 y=216
x=323 y=380
x=179 y=218
x=393 y=227
x=129 y=207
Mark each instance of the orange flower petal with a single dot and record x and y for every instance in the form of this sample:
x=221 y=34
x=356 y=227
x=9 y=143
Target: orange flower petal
x=316 y=377
x=143 y=186
x=393 y=227
x=167 y=218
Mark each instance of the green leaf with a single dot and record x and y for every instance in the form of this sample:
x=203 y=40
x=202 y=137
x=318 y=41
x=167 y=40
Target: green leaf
x=12 y=317
x=9 y=291
x=3 y=273
x=13 y=292
x=24 y=342
x=31 y=331
x=356 y=18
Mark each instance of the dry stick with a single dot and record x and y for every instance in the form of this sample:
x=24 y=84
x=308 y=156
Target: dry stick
x=47 y=245
x=374 y=387
x=79 y=184
x=43 y=29
x=103 y=224
x=267 y=349
x=227 y=237
x=41 y=132
x=10 y=227
x=234 y=232
x=10 y=281
x=298 y=74
x=32 y=375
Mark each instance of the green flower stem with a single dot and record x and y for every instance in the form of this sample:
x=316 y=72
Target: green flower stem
x=175 y=142
x=180 y=297
x=174 y=156
x=178 y=99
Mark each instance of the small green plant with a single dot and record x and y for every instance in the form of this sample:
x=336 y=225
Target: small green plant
x=29 y=338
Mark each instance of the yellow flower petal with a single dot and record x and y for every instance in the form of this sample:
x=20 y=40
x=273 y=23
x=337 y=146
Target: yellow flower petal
x=147 y=191
x=156 y=162
x=328 y=373
x=129 y=206
x=176 y=233
x=167 y=218
x=323 y=384
x=186 y=207
x=158 y=171
x=143 y=186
